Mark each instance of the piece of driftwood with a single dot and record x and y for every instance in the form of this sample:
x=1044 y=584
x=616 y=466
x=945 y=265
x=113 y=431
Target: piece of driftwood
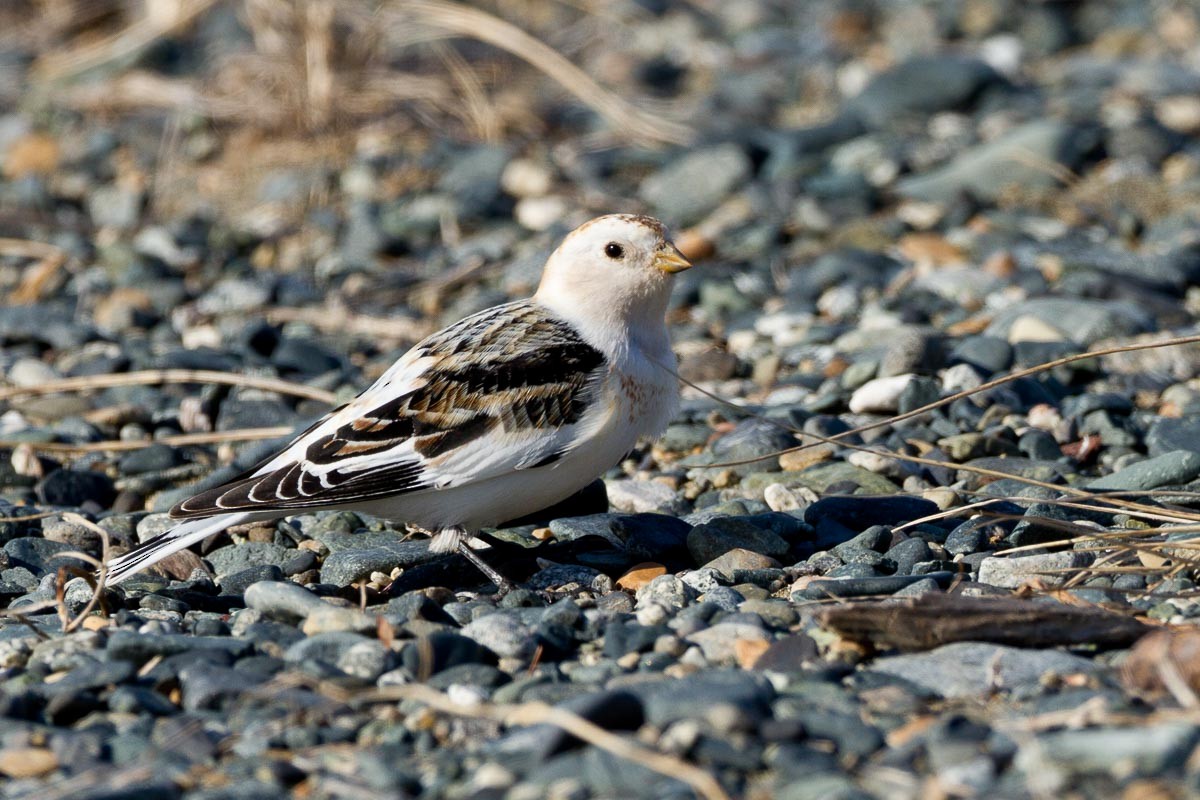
x=935 y=619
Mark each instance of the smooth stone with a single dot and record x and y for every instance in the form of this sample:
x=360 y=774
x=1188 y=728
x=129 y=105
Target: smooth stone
x=443 y=650
x=636 y=496
x=27 y=762
x=93 y=676
x=282 y=600
x=921 y=587
x=604 y=526
x=860 y=513
x=655 y=537
x=615 y=710
x=114 y=207
x=1080 y=320
x=79 y=537
x=640 y=575
x=337 y=618
x=740 y=558
x=716 y=538
x=922 y=86
x=236 y=583
x=1011 y=572
x=908 y=554
x=719 y=643
x=238 y=413
x=865 y=586
x=344 y=567
x=969 y=537
x=752 y=438
x=366 y=660
x=1168 y=434
x=208 y=686
x=326 y=648
x=68 y=487
x=503 y=633
x=474 y=179
x=1016 y=157
x=880 y=395
x=1028 y=328
x=1150 y=750
x=668 y=591
x=153 y=458
x=305 y=357
x=1173 y=468
x=688 y=188
x=140 y=647
x=989 y=354
x=975 y=669
x=39 y=555
x=235 y=558
x=727 y=700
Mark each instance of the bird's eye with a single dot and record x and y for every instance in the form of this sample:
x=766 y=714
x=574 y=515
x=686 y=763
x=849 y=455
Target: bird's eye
x=614 y=250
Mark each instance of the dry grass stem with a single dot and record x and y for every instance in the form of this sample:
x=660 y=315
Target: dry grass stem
x=151 y=377
x=342 y=320
x=96 y=580
x=479 y=113
x=462 y=20
x=40 y=278
x=181 y=440
x=162 y=18
x=318 y=61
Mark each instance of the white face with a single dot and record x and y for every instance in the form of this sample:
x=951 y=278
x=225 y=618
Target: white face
x=619 y=254
x=612 y=277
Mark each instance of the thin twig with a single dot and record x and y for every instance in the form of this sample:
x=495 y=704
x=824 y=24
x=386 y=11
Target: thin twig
x=97 y=580
x=151 y=377
x=339 y=319
x=180 y=440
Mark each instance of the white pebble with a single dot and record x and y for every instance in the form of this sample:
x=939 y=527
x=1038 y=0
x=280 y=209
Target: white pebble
x=780 y=498
x=879 y=396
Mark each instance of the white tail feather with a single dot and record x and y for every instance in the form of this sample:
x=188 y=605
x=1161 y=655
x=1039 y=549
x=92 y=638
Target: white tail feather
x=165 y=544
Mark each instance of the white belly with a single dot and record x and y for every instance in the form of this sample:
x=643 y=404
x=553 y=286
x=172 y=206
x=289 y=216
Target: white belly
x=494 y=500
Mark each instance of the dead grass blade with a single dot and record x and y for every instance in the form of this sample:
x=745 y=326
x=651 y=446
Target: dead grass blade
x=461 y=20
x=162 y=18
x=181 y=440
x=318 y=61
x=152 y=377
x=479 y=113
x=39 y=279
x=96 y=580
x=342 y=320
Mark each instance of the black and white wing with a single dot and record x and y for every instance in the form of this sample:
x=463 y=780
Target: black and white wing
x=506 y=389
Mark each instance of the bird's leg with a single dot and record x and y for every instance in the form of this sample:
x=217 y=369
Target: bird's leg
x=454 y=540
x=502 y=583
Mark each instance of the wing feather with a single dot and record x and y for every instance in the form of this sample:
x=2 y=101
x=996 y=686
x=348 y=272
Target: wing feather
x=505 y=389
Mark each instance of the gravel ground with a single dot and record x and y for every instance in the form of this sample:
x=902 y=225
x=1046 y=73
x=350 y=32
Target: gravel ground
x=888 y=204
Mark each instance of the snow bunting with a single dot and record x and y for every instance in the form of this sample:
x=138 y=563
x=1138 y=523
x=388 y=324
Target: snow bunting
x=499 y=415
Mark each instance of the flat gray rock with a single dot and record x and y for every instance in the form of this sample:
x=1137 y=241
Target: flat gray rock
x=976 y=669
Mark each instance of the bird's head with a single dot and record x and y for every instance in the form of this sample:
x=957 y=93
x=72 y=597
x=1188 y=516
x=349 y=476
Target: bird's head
x=618 y=266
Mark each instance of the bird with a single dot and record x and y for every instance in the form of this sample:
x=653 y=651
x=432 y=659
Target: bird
x=502 y=414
